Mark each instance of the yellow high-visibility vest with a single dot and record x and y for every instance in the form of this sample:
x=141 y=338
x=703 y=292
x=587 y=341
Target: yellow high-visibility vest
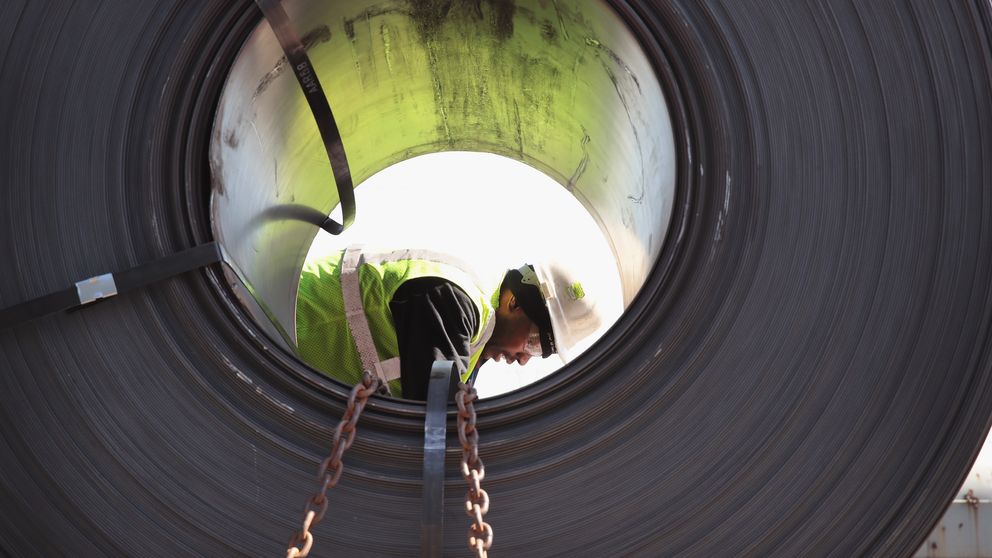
x=324 y=336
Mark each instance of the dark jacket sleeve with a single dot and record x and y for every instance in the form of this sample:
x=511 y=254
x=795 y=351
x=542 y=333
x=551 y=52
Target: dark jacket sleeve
x=434 y=320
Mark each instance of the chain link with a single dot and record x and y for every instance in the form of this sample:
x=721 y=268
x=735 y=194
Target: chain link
x=480 y=533
x=332 y=467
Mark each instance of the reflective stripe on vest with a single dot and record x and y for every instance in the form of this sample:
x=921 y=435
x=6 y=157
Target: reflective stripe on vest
x=354 y=311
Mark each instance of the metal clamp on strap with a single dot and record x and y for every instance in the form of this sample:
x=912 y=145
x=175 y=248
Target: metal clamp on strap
x=95 y=288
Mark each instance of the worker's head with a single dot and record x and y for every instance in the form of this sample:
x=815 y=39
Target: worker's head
x=523 y=325
x=545 y=309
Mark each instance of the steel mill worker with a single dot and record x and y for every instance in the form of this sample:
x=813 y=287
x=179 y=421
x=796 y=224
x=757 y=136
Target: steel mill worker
x=396 y=313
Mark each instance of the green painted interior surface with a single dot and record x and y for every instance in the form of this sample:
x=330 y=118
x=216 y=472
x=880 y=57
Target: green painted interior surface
x=561 y=86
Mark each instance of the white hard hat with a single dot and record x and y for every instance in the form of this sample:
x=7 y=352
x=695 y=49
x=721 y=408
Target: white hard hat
x=571 y=299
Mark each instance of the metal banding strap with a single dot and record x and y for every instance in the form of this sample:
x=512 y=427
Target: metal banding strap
x=354 y=309
x=443 y=376
x=330 y=135
x=109 y=284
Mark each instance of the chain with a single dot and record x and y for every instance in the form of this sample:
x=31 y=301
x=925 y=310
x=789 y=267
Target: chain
x=332 y=467
x=480 y=533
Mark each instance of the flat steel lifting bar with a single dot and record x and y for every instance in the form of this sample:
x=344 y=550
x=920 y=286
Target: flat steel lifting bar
x=440 y=390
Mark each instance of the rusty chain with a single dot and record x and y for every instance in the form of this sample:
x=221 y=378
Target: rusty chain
x=331 y=468
x=480 y=534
